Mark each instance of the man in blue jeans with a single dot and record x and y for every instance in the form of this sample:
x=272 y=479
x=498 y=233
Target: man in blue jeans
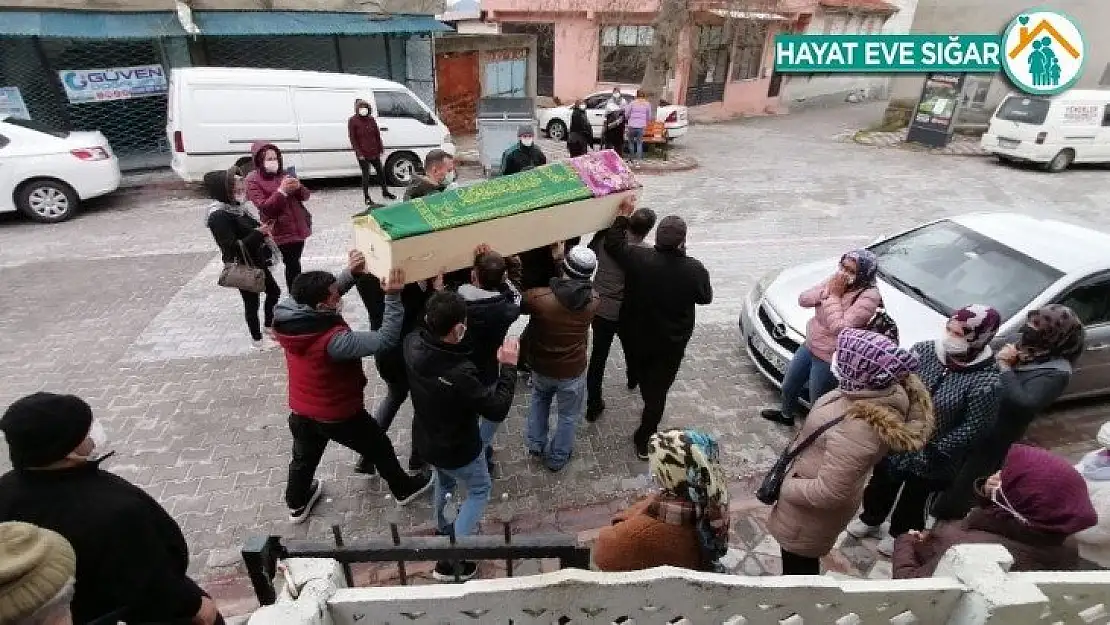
x=448 y=399
x=555 y=342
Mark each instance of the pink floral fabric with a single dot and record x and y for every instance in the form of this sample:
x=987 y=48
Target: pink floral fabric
x=604 y=173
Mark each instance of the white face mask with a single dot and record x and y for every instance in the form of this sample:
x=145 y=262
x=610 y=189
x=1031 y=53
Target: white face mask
x=526 y=142
x=450 y=177
x=999 y=499
x=339 y=306
x=364 y=112
x=462 y=331
x=833 y=368
x=99 y=440
x=954 y=345
x=581 y=107
x=271 y=166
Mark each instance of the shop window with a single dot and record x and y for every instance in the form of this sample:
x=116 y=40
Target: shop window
x=624 y=53
x=751 y=39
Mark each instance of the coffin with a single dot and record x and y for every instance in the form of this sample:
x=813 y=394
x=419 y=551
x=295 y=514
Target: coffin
x=510 y=213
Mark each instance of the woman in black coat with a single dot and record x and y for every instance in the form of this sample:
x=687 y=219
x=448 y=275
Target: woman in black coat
x=581 y=135
x=231 y=225
x=1034 y=373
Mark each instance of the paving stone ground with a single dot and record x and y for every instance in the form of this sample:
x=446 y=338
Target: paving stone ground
x=120 y=306
x=960 y=145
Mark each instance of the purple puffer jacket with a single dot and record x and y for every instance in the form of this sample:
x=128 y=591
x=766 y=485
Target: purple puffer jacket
x=292 y=221
x=851 y=310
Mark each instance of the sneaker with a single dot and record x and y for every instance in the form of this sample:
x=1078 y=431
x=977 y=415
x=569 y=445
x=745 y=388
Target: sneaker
x=420 y=485
x=593 y=411
x=387 y=195
x=859 y=529
x=372 y=204
x=300 y=515
x=445 y=571
x=365 y=467
x=775 y=416
x=642 y=451
x=263 y=345
x=886 y=546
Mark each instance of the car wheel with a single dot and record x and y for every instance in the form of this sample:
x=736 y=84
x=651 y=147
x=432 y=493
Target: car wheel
x=557 y=130
x=401 y=169
x=245 y=165
x=47 y=201
x=1061 y=161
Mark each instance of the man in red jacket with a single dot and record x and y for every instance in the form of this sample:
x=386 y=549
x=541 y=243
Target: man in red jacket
x=366 y=141
x=326 y=382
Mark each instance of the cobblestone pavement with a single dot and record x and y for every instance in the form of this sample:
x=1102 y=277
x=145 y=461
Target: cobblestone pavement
x=466 y=151
x=120 y=306
x=960 y=145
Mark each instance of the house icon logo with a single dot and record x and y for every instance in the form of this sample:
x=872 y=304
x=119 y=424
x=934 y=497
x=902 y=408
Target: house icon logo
x=1044 y=52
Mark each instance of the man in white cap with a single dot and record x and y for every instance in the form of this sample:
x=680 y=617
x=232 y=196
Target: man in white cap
x=36 y=576
x=555 y=341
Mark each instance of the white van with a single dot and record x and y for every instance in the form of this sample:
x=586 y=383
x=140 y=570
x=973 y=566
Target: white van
x=1056 y=131
x=215 y=113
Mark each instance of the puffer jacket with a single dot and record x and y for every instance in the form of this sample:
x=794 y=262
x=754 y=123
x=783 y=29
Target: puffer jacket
x=292 y=221
x=554 y=342
x=832 y=314
x=824 y=488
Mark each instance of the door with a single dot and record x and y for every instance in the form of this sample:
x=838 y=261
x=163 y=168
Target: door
x=709 y=70
x=220 y=123
x=545 y=52
x=405 y=123
x=457 y=89
x=1090 y=299
x=322 y=116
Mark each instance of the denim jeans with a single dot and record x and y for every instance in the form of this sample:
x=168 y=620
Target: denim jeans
x=570 y=393
x=636 y=137
x=805 y=370
x=476 y=482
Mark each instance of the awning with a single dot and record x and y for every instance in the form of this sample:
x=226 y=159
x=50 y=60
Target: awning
x=748 y=15
x=277 y=23
x=90 y=24
x=863 y=6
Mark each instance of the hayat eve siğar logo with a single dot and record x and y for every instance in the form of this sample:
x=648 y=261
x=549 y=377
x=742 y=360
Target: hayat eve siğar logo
x=1043 y=52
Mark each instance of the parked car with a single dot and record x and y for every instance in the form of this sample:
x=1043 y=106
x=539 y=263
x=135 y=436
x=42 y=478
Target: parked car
x=1013 y=262
x=215 y=113
x=556 y=120
x=46 y=173
x=1073 y=127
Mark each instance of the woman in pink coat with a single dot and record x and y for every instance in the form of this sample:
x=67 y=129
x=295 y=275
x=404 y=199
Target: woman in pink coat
x=848 y=299
x=279 y=198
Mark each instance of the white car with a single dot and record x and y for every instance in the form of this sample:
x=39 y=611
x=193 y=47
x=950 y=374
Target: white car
x=46 y=173
x=555 y=121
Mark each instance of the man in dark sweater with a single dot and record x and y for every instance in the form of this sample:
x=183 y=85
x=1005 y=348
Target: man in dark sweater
x=524 y=154
x=366 y=141
x=448 y=399
x=327 y=385
x=131 y=555
x=439 y=171
x=662 y=287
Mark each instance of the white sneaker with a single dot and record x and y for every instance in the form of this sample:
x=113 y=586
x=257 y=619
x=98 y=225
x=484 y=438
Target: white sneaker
x=886 y=546
x=859 y=529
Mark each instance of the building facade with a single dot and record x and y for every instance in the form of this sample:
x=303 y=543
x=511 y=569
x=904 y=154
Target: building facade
x=48 y=58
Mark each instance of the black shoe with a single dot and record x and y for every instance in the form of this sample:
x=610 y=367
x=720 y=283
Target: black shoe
x=416 y=464
x=372 y=204
x=642 y=451
x=419 y=485
x=593 y=411
x=365 y=467
x=445 y=571
x=300 y=515
x=387 y=195
x=776 y=416
x=633 y=383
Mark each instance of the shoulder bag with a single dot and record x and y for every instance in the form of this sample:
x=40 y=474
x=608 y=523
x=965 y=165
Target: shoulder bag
x=243 y=275
x=881 y=322
x=769 y=490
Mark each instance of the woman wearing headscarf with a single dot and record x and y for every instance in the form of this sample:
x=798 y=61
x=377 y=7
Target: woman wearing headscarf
x=848 y=299
x=614 y=126
x=581 y=135
x=686 y=523
x=880 y=406
x=1094 y=542
x=962 y=376
x=1034 y=374
x=242 y=239
x=1030 y=507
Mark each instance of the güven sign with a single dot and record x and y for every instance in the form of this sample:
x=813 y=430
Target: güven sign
x=117 y=83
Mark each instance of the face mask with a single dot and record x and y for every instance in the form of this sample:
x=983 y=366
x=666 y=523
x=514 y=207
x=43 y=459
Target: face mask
x=271 y=166
x=99 y=440
x=954 y=345
x=450 y=177
x=850 y=278
x=999 y=499
x=526 y=142
x=339 y=306
x=364 y=112
x=581 y=107
x=462 y=332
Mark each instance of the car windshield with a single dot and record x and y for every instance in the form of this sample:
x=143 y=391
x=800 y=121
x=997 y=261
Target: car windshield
x=37 y=127
x=946 y=266
x=1024 y=109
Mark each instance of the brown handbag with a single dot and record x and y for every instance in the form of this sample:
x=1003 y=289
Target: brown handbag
x=243 y=276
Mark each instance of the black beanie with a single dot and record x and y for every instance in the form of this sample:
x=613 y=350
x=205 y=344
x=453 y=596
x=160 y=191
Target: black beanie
x=43 y=428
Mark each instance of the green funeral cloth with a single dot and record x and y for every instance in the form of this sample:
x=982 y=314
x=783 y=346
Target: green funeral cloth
x=506 y=195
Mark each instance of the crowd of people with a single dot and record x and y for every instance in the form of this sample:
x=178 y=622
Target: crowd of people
x=623 y=125
x=926 y=436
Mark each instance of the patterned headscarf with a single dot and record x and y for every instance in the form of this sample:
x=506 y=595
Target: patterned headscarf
x=1056 y=332
x=867 y=265
x=979 y=324
x=686 y=464
x=866 y=361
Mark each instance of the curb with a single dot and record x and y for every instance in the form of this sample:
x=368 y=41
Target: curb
x=903 y=145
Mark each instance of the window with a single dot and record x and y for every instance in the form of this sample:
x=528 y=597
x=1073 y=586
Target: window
x=1023 y=109
x=751 y=37
x=37 y=127
x=402 y=105
x=1091 y=301
x=624 y=53
x=945 y=265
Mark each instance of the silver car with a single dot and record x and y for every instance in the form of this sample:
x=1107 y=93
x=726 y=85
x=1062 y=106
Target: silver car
x=1015 y=263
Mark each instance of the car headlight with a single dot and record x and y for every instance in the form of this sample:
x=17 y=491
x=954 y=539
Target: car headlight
x=761 y=285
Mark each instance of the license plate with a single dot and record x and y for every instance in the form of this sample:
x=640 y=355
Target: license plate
x=768 y=354
x=1007 y=143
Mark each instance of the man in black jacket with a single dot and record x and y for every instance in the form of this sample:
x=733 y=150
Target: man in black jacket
x=131 y=555
x=662 y=287
x=524 y=154
x=448 y=399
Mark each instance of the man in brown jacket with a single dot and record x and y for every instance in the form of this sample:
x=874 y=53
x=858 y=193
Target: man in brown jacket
x=555 y=342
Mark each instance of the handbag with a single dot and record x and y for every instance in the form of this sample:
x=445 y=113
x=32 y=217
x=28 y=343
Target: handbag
x=768 y=491
x=243 y=276
x=881 y=322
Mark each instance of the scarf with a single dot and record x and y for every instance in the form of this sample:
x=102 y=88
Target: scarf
x=686 y=464
x=979 y=324
x=1051 y=332
x=867 y=267
x=867 y=361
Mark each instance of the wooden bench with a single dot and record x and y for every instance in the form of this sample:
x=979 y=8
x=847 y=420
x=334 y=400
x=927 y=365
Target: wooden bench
x=656 y=135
